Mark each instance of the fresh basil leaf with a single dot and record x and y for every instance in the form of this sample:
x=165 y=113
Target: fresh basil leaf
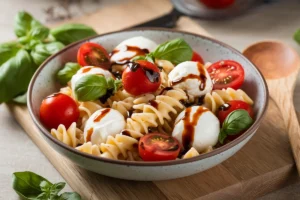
x=15 y=75
x=70 y=196
x=117 y=85
x=8 y=50
x=234 y=123
x=39 y=33
x=42 y=196
x=65 y=74
x=27 y=184
x=297 y=36
x=56 y=188
x=90 y=87
x=42 y=51
x=24 y=23
x=70 y=33
x=21 y=98
x=175 y=51
x=139 y=58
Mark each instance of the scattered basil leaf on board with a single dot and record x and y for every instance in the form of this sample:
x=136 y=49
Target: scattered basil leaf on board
x=15 y=75
x=65 y=74
x=8 y=50
x=175 y=51
x=27 y=184
x=72 y=32
x=234 y=123
x=39 y=33
x=297 y=36
x=42 y=51
x=31 y=186
x=22 y=24
x=91 y=87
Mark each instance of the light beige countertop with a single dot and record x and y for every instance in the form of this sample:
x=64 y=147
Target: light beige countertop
x=275 y=21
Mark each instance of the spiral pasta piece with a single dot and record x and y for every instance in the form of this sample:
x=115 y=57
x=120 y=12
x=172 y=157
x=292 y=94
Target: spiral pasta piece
x=157 y=111
x=89 y=148
x=86 y=109
x=118 y=96
x=117 y=147
x=67 y=91
x=191 y=153
x=217 y=98
x=71 y=137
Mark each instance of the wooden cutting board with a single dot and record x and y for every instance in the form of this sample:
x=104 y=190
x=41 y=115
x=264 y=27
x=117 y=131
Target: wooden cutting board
x=263 y=165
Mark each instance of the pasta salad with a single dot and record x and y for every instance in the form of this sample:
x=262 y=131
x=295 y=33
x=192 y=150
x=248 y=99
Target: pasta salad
x=147 y=102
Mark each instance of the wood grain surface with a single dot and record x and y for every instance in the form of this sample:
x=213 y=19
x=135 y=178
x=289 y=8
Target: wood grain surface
x=263 y=165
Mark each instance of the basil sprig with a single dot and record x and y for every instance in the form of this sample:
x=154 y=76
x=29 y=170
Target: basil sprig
x=91 y=87
x=234 y=123
x=35 y=43
x=175 y=51
x=297 y=36
x=65 y=74
x=31 y=186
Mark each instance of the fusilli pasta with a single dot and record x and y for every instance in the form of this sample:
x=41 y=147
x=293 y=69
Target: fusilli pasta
x=89 y=148
x=217 y=98
x=86 y=109
x=67 y=91
x=72 y=137
x=157 y=111
x=191 y=153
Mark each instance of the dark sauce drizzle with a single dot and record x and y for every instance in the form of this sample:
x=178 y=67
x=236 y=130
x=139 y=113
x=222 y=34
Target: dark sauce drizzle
x=89 y=134
x=101 y=115
x=138 y=52
x=152 y=76
x=189 y=125
x=202 y=78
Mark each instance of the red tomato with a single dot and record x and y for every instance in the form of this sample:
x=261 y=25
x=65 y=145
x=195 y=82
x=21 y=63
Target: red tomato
x=141 y=77
x=197 y=58
x=93 y=54
x=217 y=4
x=233 y=105
x=58 y=109
x=226 y=74
x=158 y=147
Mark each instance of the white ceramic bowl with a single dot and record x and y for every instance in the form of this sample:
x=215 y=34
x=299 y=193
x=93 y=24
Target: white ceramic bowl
x=43 y=83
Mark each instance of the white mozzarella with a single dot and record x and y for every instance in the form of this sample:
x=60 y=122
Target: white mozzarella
x=191 y=77
x=103 y=123
x=205 y=128
x=123 y=53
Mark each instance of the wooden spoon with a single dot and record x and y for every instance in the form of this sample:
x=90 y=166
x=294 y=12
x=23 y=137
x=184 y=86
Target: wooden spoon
x=280 y=65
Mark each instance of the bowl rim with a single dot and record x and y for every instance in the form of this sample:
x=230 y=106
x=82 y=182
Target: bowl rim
x=219 y=150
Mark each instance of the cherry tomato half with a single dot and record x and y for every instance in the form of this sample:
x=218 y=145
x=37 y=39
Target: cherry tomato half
x=233 y=105
x=217 y=4
x=226 y=74
x=93 y=54
x=141 y=77
x=58 y=109
x=158 y=147
x=197 y=58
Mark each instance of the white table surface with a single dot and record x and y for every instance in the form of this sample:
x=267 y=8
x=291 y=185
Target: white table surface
x=276 y=21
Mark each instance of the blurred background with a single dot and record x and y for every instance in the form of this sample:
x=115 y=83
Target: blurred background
x=239 y=25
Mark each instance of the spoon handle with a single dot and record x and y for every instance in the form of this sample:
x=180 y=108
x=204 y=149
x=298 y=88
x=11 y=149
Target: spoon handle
x=281 y=91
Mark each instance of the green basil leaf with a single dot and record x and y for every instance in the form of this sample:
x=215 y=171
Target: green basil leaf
x=24 y=23
x=27 y=184
x=90 y=87
x=15 y=75
x=65 y=74
x=70 y=196
x=139 y=58
x=56 y=188
x=117 y=85
x=70 y=33
x=234 y=123
x=8 y=50
x=21 y=98
x=46 y=186
x=39 y=33
x=175 y=51
x=297 y=36
x=42 y=51
x=42 y=196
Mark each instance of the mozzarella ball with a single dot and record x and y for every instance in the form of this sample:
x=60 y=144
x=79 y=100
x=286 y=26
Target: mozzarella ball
x=89 y=70
x=191 y=77
x=132 y=47
x=197 y=127
x=103 y=123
